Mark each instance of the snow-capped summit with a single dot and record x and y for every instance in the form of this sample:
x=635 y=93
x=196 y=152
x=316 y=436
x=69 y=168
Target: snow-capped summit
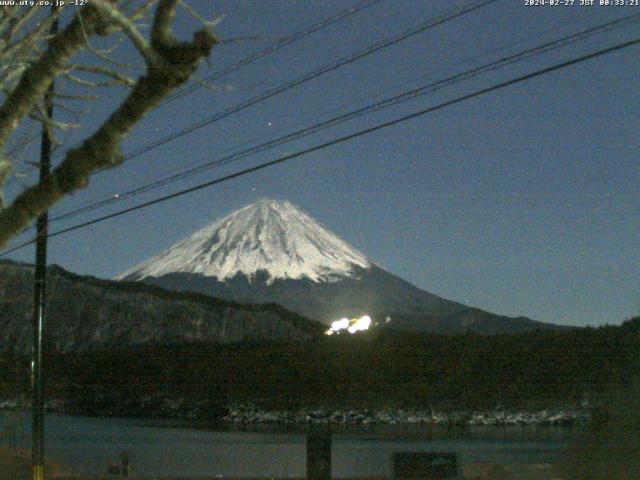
x=272 y=252
x=270 y=235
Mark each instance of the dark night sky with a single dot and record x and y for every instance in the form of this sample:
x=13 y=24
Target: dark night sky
x=522 y=202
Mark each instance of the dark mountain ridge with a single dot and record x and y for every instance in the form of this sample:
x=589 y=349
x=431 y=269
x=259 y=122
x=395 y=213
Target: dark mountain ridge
x=375 y=292
x=86 y=313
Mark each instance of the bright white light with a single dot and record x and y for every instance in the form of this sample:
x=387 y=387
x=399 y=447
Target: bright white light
x=340 y=324
x=362 y=323
x=351 y=326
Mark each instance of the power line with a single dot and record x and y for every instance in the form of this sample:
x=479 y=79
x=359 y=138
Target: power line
x=388 y=102
x=271 y=49
x=386 y=43
x=342 y=139
x=274 y=48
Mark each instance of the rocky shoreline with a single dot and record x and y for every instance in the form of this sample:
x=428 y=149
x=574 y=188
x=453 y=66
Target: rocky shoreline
x=556 y=417
x=242 y=414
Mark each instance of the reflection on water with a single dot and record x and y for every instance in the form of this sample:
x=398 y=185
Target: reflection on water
x=170 y=448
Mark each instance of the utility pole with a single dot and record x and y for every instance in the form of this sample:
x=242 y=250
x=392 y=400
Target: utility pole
x=37 y=380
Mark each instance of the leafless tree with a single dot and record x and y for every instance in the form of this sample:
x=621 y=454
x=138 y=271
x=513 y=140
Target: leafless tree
x=31 y=58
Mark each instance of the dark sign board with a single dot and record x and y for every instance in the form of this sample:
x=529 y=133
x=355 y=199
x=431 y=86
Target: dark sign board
x=319 y=455
x=424 y=465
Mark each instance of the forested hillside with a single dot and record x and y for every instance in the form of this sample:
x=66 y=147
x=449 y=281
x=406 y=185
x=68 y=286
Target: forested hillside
x=86 y=313
x=376 y=369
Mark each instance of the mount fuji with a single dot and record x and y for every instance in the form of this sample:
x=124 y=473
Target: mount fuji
x=269 y=236
x=273 y=252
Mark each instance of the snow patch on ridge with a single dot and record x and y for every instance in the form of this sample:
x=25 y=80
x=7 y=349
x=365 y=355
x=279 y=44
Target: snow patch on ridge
x=269 y=235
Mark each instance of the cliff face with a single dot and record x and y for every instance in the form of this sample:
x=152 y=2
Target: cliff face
x=85 y=313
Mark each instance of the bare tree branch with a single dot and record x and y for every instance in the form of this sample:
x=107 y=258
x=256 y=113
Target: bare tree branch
x=200 y=18
x=161 y=36
x=37 y=78
x=141 y=10
x=173 y=64
x=82 y=98
x=40 y=117
x=117 y=77
x=128 y=27
x=5 y=170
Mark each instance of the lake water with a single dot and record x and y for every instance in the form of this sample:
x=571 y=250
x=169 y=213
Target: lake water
x=171 y=449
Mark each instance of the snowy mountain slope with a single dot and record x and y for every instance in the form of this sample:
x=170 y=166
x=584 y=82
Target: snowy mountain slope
x=269 y=236
x=271 y=251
